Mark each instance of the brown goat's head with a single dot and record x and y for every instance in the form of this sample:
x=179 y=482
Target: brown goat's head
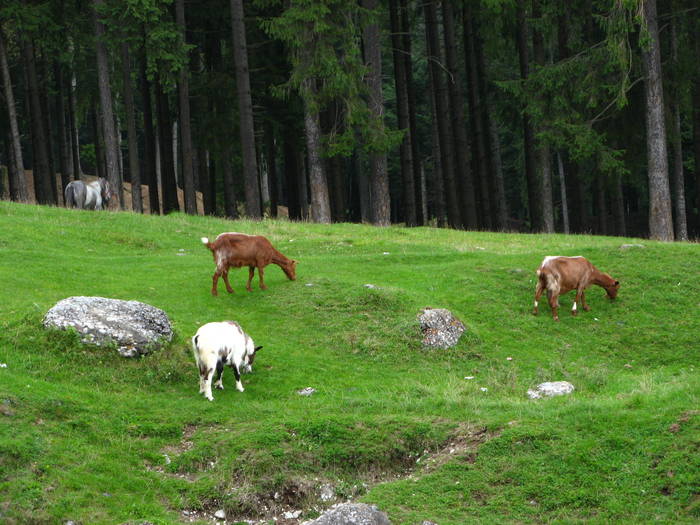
x=290 y=270
x=612 y=289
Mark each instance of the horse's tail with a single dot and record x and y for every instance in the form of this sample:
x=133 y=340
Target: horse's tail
x=75 y=195
x=69 y=194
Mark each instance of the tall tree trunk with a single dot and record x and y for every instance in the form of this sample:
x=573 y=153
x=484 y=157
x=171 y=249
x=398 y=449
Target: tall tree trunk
x=402 y=110
x=564 y=201
x=17 y=182
x=98 y=136
x=418 y=172
x=437 y=189
x=320 y=201
x=190 y=195
x=578 y=218
x=542 y=155
x=205 y=182
x=303 y=183
x=149 y=138
x=660 y=219
x=379 y=177
x=619 y=207
x=63 y=142
x=75 y=136
x=271 y=156
x=134 y=168
x=465 y=180
x=534 y=205
x=681 y=222
x=47 y=111
x=42 y=175
x=230 y=204
x=291 y=171
x=500 y=197
x=600 y=204
x=442 y=114
x=479 y=161
x=497 y=203
x=165 y=142
x=362 y=189
x=696 y=130
x=245 y=106
x=105 y=91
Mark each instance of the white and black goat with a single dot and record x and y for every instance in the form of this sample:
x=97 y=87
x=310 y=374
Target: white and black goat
x=219 y=344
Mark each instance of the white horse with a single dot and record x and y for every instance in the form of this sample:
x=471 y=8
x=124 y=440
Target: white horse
x=91 y=196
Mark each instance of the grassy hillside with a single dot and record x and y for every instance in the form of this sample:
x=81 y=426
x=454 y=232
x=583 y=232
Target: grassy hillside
x=86 y=435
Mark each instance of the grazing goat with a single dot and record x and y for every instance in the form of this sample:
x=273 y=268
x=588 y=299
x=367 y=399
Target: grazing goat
x=559 y=275
x=254 y=251
x=219 y=344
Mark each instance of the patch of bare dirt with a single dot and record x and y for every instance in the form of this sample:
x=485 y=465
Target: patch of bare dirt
x=684 y=418
x=296 y=499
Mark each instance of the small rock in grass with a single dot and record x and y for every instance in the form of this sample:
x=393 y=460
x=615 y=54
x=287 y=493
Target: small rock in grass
x=484 y=389
x=308 y=391
x=370 y=286
x=3 y=365
x=326 y=492
x=220 y=514
x=628 y=246
x=550 y=389
x=292 y=515
x=351 y=514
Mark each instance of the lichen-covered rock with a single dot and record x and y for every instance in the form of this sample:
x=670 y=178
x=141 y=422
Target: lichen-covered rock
x=351 y=514
x=550 y=389
x=440 y=328
x=136 y=328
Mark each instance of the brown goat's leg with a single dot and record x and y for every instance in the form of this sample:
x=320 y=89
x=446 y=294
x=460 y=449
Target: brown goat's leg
x=554 y=304
x=261 y=278
x=577 y=301
x=251 y=273
x=228 y=285
x=214 y=283
x=538 y=294
x=583 y=301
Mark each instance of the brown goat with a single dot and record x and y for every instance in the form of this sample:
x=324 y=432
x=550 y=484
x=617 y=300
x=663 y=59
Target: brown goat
x=234 y=250
x=559 y=275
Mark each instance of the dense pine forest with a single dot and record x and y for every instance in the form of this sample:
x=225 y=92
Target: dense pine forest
x=537 y=115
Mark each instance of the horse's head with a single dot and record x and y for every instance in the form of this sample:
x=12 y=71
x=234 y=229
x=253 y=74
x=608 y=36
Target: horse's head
x=106 y=190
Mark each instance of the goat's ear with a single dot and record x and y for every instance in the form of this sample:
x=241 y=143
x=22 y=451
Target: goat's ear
x=257 y=348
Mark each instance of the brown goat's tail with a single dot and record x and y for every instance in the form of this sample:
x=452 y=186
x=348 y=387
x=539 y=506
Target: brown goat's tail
x=205 y=242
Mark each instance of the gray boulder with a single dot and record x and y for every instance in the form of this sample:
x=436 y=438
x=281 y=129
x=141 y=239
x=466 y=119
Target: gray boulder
x=550 y=389
x=136 y=328
x=351 y=514
x=439 y=327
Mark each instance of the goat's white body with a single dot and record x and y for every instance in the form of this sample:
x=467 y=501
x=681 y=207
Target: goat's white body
x=216 y=345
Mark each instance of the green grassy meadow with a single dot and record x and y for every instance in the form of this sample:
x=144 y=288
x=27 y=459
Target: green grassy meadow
x=89 y=436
